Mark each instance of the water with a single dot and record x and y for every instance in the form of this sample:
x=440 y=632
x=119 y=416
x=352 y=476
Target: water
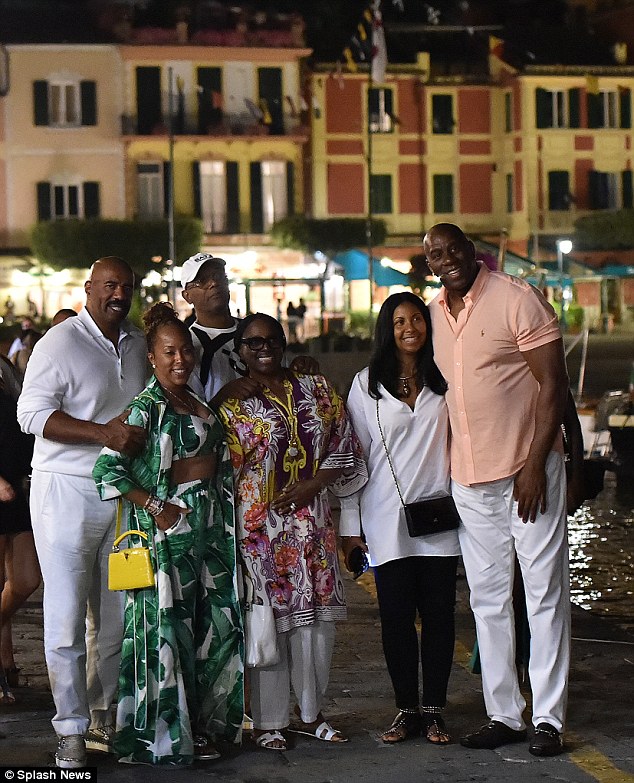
x=601 y=537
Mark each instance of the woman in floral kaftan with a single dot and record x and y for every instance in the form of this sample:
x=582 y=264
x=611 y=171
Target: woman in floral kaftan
x=288 y=443
x=181 y=677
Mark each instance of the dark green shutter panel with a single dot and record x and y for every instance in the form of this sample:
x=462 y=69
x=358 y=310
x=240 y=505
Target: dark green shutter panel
x=626 y=184
x=595 y=110
x=43 y=200
x=544 y=108
x=257 y=216
x=625 y=96
x=40 y=103
x=373 y=103
x=290 y=188
x=91 y=200
x=196 y=185
x=558 y=190
x=167 y=167
x=88 y=91
x=574 y=98
x=233 y=197
x=209 y=93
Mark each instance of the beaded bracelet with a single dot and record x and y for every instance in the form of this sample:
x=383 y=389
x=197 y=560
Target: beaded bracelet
x=154 y=505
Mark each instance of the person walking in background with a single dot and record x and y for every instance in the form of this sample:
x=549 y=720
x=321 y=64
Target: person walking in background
x=185 y=633
x=288 y=443
x=292 y=321
x=397 y=406
x=21 y=358
x=26 y=325
x=18 y=560
x=80 y=377
x=497 y=342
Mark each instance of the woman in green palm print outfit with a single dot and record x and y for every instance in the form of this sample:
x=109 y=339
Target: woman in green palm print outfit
x=181 y=677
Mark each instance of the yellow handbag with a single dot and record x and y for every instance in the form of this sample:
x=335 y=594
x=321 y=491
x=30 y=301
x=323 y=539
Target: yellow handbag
x=130 y=568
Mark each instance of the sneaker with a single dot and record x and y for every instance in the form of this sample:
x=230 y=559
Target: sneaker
x=71 y=752
x=100 y=739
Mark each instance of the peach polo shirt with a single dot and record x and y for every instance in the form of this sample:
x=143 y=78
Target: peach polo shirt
x=492 y=392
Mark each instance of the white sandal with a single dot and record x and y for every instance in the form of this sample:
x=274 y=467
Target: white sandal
x=323 y=732
x=265 y=740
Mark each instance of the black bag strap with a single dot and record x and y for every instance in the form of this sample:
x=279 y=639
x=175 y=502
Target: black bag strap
x=387 y=454
x=209 y=350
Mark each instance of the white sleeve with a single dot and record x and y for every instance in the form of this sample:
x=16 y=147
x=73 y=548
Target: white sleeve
x=42 y=392
x=350 y=517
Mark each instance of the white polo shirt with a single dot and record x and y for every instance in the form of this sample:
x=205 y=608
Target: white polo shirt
x=75 y=369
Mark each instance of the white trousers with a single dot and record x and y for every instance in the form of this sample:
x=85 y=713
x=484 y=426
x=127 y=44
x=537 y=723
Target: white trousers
x=83 y=620
x=305 y=656
x=491 y=535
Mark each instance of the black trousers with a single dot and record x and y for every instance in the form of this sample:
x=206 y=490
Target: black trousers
x=425 y=586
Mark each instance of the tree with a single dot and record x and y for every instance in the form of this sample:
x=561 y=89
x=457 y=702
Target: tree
x=78 y=243
x=329 y=236
x=613 y=230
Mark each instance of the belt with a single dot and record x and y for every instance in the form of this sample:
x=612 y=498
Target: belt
x=192 y=469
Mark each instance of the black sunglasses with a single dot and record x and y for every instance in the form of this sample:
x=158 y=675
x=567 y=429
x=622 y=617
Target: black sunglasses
x=257 y=343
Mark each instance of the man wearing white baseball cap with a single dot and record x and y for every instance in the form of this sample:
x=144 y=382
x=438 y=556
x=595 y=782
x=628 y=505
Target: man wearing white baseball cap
x=206 y=288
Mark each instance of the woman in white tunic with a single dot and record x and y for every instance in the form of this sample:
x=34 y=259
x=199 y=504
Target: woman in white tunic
x=401 y=394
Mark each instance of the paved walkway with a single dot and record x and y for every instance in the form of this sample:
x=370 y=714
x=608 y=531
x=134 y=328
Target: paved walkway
x=600 y=733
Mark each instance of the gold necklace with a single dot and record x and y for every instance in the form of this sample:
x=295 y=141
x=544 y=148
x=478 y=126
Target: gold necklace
x=406 y=386
x=186 y=403
x=295 y=455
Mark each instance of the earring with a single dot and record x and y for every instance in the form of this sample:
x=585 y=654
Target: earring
x=153 y=366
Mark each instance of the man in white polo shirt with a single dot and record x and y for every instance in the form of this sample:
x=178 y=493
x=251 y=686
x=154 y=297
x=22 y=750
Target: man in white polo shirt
x=81 y=376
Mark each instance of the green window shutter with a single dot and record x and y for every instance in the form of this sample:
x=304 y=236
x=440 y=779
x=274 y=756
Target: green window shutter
x=92 y=206
x=40 y=103
x=626 y=186
x=558 y=191
x=595 y=110
x=167 y=168
x=257 y=216
x=625 y=100
x=209 y=98
x=443 y=193
x=381 y=194
x=196 y=186
x=574 y=98
x=373 y=102
x=442 y=113
x=290 y=188
x=88 y=92
x=43 y=201
x=543 y=108
x=233 y=197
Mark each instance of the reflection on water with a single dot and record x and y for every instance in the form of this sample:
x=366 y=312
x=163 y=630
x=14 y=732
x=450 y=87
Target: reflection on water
x=601 y=537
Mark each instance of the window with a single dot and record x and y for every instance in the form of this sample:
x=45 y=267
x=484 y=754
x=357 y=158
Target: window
x=609 y=109
x=610 y=190
x=64 y=103
x=380 y=110
x=63 y=201
x=508 y=112
x=557 y=108
x=213 y=196
x=443 y=193
x=558 y=190
x=442 y=113
x=381 y=194
x=210 y=111
x=510 y=193
x=274 y=197
x=151 y=192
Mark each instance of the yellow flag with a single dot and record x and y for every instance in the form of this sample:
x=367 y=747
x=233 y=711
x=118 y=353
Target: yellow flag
x=592 y=85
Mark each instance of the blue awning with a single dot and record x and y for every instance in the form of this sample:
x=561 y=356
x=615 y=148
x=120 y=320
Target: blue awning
x=355 y=267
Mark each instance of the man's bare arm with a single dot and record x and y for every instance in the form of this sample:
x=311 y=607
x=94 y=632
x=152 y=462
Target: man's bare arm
x=115 y=434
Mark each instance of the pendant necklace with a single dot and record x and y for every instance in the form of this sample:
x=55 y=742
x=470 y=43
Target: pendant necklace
x=295 y=454
x=406 y=387
x=185 y=403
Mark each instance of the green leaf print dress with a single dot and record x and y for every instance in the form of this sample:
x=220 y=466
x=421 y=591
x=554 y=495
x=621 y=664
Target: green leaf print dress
x=181 y=669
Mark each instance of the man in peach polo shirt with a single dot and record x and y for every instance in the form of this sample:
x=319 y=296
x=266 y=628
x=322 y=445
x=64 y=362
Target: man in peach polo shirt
x=498 y=344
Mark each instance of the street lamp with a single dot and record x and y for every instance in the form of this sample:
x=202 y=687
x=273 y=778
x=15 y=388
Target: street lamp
x=564 y=246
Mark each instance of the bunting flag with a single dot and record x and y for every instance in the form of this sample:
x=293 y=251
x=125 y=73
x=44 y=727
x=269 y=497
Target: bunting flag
x=592 y=85
x=496 y=47
x=379 y=49
x=266 y=114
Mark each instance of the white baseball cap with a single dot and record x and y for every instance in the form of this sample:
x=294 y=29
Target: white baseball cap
x=193 y=265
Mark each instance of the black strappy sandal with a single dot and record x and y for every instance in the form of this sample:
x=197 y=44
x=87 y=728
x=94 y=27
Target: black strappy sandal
x=407 y=724
x=434 y=727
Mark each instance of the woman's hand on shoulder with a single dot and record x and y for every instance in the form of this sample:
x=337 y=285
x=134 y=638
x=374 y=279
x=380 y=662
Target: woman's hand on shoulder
x=238 y=389
x=305 y=365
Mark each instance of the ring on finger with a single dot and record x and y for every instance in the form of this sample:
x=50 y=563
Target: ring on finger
x=293 y=507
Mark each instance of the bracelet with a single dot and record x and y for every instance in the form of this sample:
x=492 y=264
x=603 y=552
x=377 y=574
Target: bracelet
x=154 y=505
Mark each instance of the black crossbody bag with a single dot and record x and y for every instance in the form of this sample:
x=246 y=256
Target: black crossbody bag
x=424 y=517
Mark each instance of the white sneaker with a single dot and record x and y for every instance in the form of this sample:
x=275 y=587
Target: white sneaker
x=71 y=752
x=100 y=739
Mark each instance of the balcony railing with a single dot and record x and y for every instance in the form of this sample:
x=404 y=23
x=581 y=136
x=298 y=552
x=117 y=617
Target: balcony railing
x=239 y=124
